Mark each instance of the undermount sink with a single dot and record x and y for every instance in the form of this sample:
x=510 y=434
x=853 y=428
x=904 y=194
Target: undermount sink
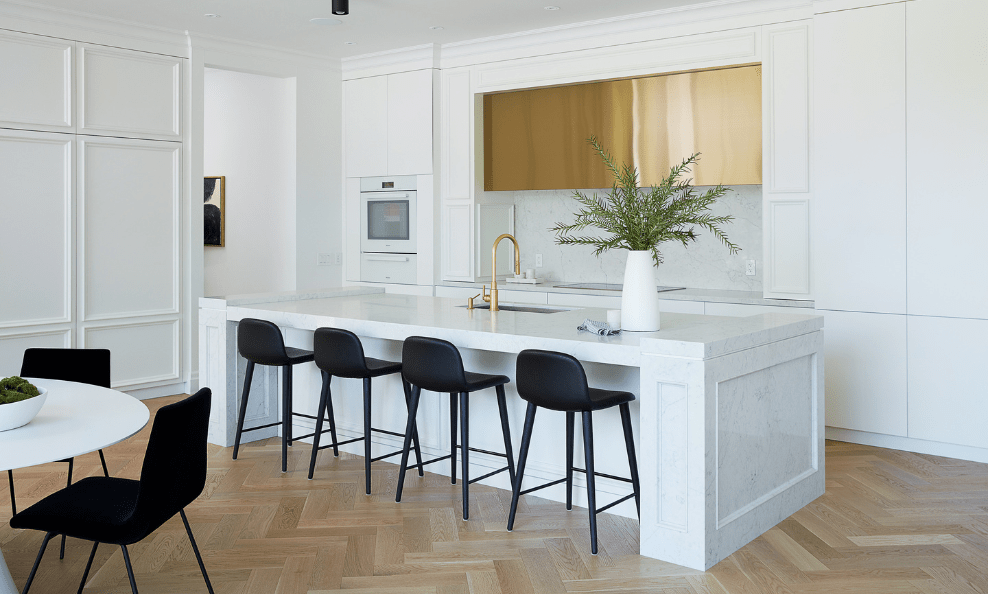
x=523 y=308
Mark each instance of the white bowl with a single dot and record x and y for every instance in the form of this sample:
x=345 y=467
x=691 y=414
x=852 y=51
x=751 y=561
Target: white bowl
x=17 y=414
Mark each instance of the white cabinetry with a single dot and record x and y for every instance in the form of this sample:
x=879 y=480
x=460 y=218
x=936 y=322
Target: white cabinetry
x=389 y=124
x=36 y=82
x=129 y=93
x=860 y=139
x=947 y=122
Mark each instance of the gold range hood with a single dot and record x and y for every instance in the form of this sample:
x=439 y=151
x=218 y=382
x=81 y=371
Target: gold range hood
x=536 y=139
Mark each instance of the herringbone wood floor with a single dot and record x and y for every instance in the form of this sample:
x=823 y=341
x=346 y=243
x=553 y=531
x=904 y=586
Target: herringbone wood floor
x=890 y=522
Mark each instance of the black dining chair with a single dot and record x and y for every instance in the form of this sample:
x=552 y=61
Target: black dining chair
x=123 y=511
x=86 y=366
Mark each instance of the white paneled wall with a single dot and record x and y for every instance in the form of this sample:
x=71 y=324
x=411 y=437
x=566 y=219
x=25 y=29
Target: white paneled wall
x=93 y=220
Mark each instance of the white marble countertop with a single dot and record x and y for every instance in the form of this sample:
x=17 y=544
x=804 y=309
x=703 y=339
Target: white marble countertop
x=369 y=312
x=708 y=295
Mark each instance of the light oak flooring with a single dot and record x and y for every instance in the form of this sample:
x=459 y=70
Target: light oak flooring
x=890 y=522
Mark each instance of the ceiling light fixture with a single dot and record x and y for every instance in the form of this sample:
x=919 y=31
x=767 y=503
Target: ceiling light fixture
x=552 y=8
x=325 y=21
x=341 y=7
x=211 y=16
x=436 y=28
x=349 y=43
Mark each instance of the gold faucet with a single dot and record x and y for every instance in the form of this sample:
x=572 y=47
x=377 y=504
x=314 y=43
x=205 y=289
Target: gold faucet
x=492 y=297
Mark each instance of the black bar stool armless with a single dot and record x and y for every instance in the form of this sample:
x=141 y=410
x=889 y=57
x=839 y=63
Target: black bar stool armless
x=557 y=381
x=261 y=343
x=435 y=365
x=340 y=353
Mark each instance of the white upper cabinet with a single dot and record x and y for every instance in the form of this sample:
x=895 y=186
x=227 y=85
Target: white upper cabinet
x=947 y=122
x=366 y=104
x=410 y=123
x=388 y=121
x=36 y=82
x=129 y=93
x=859 y=223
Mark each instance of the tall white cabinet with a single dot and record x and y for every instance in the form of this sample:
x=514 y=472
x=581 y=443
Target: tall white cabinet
x=91 y=186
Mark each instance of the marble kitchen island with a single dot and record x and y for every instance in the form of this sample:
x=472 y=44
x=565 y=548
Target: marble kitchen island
x=729 y=422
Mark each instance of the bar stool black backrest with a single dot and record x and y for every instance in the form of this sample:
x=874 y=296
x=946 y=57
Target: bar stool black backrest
x=339 y=352
x=552 y=380
x=87 y=366
x=433 y=364
x=261 y=341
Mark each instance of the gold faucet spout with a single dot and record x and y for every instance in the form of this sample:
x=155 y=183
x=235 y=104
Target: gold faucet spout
x=493 y=296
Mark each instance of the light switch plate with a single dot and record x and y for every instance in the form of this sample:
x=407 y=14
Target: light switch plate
x=538 y=260
x=324 y=259
x=749 y=267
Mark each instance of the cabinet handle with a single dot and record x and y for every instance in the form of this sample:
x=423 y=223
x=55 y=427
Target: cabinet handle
x=387 y=258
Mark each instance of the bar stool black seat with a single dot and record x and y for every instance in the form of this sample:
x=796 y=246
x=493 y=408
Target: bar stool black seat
x=557 y=381
x=435 y=365
x=261 y=343
x=340 y=353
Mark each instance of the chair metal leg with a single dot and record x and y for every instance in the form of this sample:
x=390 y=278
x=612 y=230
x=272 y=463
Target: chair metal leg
x=526 y=441
x=413 y=407
x=415 y=435
x=320 y=411
x=591 y=484
x=89 y=565
x=502 y=407
x=367 y=435
x=102 y=460
x=452 y=437
x=195 y=548
x=13 y=504
x=37 y=562
x=629 y=442
x=248 y=376
x=130 y=570
x=332 y=420
x=286 y=414
x=570 y=422
x=465 y=450
x=68 y=482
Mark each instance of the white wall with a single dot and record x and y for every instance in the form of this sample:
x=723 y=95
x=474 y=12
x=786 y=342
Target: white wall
x=249 y=137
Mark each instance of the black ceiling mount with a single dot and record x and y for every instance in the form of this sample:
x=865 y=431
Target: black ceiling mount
x=341 y=6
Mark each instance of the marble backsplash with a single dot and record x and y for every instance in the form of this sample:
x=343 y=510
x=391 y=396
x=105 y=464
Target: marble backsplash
x=707 y=264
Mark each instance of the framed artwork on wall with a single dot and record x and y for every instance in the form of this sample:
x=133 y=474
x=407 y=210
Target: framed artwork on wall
x=214 y=214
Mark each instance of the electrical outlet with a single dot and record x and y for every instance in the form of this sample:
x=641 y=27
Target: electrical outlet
x=749 y=267
x=339 y=258
x=538 y=260
x=324 y=259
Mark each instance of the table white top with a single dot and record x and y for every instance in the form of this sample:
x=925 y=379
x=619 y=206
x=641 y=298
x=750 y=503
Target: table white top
x=76 y=419
x=395 y=317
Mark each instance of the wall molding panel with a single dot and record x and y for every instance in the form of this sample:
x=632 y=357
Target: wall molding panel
x=36 y=82
x=144 y=352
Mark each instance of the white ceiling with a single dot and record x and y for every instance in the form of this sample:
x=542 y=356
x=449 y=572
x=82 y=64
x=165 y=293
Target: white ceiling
x=376 y=25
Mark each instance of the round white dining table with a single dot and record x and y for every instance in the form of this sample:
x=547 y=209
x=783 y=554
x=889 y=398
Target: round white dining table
x=76 y=419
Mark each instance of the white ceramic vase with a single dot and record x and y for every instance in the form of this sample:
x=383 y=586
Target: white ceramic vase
x=639 y=298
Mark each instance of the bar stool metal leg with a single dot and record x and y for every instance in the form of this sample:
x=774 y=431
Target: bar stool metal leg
x=570 y=421
x=502 y=407
x=591 y=483
x=465 y=450
x=452 y=437
x=286 y=414
x=629 y=442
x=413 y=407
x=415 y=438
x=248 y=376
x=367 y=435
x=320 y=411
x=526 y=441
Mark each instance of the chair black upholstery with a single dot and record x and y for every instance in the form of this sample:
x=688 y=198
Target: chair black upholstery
x=436 y=365
x=340 y=353
x=261 y=343
x=86 y=366
x=557 y=381
x=122 y=511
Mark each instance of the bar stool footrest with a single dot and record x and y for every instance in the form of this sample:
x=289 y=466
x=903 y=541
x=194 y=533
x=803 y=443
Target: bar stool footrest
x=489 y=474
x=610 y=476
x=526 y=491
x=244 y=430
x=612 y=504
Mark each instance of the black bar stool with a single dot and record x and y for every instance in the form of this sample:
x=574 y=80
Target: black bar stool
x=340 y=353
x=557 y=381
x=435 y=365
x=261 y=343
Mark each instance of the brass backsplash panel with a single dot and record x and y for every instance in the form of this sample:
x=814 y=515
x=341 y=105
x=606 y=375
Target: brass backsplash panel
x=536 y=139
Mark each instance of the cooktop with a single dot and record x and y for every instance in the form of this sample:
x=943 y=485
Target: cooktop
x=609 y=287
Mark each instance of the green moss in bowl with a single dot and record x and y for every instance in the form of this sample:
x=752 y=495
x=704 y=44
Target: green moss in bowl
x=15 y=389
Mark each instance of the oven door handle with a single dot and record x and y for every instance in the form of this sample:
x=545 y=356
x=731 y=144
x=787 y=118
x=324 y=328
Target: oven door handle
x=386 y=258
x=384 y=195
